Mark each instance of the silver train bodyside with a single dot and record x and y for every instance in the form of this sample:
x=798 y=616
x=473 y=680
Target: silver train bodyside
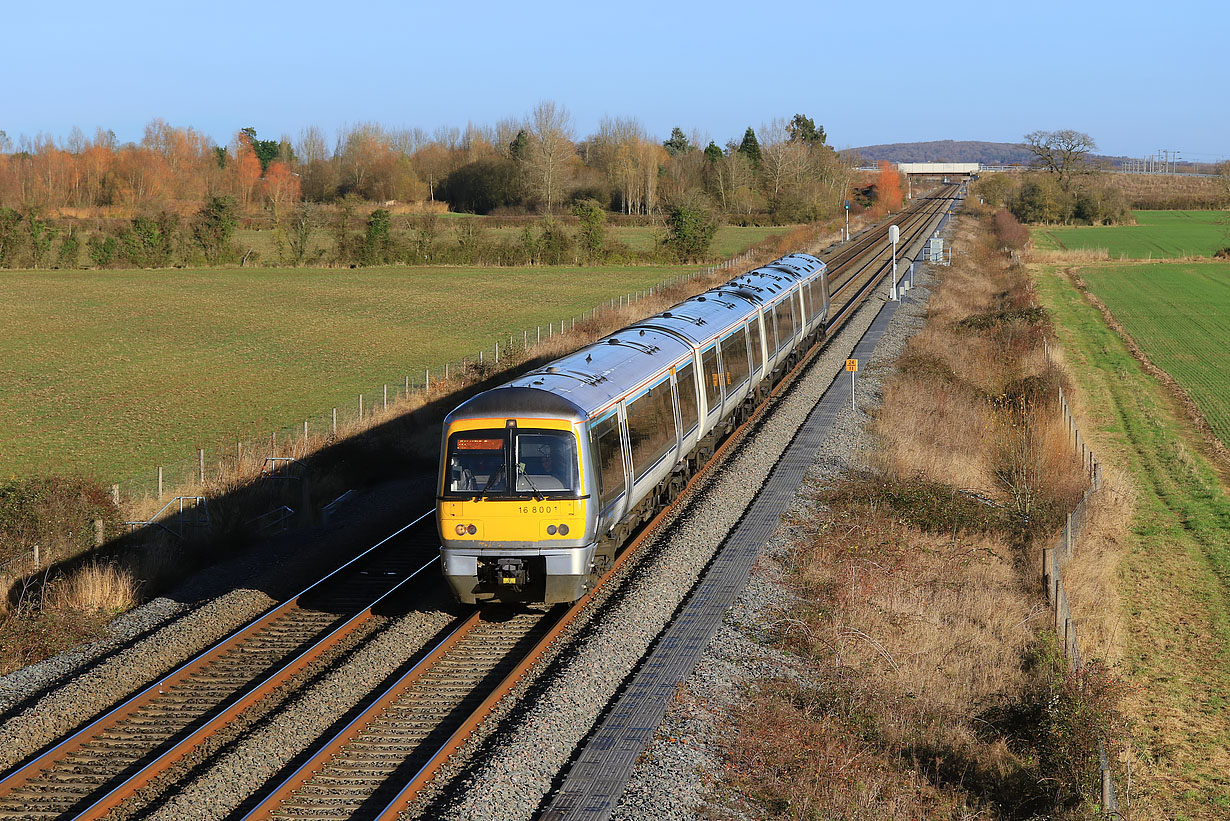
x=649 y=405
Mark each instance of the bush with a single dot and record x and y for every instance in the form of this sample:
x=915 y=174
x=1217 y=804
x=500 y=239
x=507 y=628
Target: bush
x=690 y=229
x=55 y=513
x=69 y=251
x=213 y=228
x=101 y=249
x=1010 y=233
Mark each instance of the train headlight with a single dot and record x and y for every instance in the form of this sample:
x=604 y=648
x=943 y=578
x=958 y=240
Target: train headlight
x=550 y=530
x=461 y=530
x=563 y=530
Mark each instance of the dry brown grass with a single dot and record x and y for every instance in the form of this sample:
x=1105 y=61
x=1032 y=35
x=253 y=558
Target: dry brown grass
x=94 y=587
x=919 y=603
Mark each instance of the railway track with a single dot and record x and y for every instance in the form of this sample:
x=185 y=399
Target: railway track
x=103 y=764
x=379 y=762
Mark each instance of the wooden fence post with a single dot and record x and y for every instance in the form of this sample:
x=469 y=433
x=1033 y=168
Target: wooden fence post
x=1048 y=576
x=99 y=533
x=160 y=483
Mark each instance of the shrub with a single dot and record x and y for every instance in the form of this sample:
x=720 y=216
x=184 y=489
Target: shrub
x=1010 y=233
x=101 y=249
x=377 y=240
x=69 y=251
x=690 y=229
x=214 y=226
x=9 y=238
x=591 y=238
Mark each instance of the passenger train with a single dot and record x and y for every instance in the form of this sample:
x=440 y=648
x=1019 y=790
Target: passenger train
x=543 y=479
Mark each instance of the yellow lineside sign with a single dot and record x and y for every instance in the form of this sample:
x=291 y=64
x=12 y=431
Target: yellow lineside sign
x=852 y=365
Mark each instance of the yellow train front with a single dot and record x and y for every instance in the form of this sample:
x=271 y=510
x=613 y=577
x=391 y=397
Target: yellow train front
x=515 y=514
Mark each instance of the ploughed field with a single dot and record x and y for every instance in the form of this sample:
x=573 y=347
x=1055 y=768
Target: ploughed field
x=111 y=373
x=1179 y=314
x=1156 y=235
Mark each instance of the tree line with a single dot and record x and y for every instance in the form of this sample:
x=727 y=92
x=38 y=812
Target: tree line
x=170 y=185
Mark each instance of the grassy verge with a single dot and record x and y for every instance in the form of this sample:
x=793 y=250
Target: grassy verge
x=1174 y=580
x=931 y=686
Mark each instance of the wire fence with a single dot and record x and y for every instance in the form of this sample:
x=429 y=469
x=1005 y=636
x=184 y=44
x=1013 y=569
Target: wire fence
x=190 y=475
x=1053 y=560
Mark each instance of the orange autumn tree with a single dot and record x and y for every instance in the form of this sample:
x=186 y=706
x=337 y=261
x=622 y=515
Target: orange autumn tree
x=888 y=189
x=281 y=186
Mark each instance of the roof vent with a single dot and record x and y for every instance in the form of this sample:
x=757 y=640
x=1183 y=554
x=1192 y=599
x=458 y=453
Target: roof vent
x=700 y=299
x=552 y=369
x=666 y=314
x=612 y=341
x=642 y=331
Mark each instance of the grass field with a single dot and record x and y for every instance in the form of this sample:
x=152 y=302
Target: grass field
x=729 y=240
x=1157 y=235
x=1179 y=314
x=108 y=373
x=1174 y=579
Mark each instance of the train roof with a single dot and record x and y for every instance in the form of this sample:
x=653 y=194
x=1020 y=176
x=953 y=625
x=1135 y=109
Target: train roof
x=599 y=374
x=588 y=381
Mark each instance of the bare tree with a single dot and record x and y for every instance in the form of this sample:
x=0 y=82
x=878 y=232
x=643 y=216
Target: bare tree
x=550 y=127
x=1063 y=153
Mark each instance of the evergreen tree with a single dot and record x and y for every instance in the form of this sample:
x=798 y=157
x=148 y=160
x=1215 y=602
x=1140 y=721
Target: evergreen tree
x=804 y=129
x=712 y=152
x=678 y=143
x=750 y=147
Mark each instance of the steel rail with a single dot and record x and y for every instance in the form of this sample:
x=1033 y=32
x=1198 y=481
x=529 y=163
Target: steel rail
x=275 y=801
x=227 y=709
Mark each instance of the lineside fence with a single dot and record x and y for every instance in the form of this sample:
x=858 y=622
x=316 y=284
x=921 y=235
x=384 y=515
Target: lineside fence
x=1053 y=560
x=154 y=487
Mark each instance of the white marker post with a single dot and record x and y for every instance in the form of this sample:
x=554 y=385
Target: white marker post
x=847 y=220
x=894 y=234
x=852 y=367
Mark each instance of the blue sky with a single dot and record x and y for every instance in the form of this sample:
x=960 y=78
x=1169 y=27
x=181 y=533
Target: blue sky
x=1138 y=77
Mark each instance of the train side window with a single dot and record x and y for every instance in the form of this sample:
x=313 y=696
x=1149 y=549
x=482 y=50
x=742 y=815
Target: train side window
x=610 y=459
x=785 y=331
x=808 y=305
x=754 y=337
x=770 y=330
x=734 y=358
x=713 y=379
x=689 y=409
x=651 y=427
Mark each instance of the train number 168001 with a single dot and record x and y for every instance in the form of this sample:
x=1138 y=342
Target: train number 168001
x=540 y=508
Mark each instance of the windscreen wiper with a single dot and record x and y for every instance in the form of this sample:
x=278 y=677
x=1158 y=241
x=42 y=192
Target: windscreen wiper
x=537 y=493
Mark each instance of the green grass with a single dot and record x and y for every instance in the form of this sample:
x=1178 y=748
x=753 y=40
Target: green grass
x=110 y=373
x=1157 y=235
x=1179 y=314
x=1175 y=576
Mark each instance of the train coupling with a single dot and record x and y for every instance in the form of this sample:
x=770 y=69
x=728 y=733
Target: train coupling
x=511 y=573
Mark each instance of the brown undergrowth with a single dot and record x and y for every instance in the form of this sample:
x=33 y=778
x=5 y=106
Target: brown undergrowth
x=934 y=687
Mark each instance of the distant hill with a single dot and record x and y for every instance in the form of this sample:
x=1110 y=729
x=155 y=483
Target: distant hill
x=947 y=151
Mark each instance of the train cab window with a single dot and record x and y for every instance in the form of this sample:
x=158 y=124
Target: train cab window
x=477 y=463
x=713 y=378
x=734 y=358
x=651 y=427
x=610 y=459
x=754 y=338
x=546 y=461
x=689 y=409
